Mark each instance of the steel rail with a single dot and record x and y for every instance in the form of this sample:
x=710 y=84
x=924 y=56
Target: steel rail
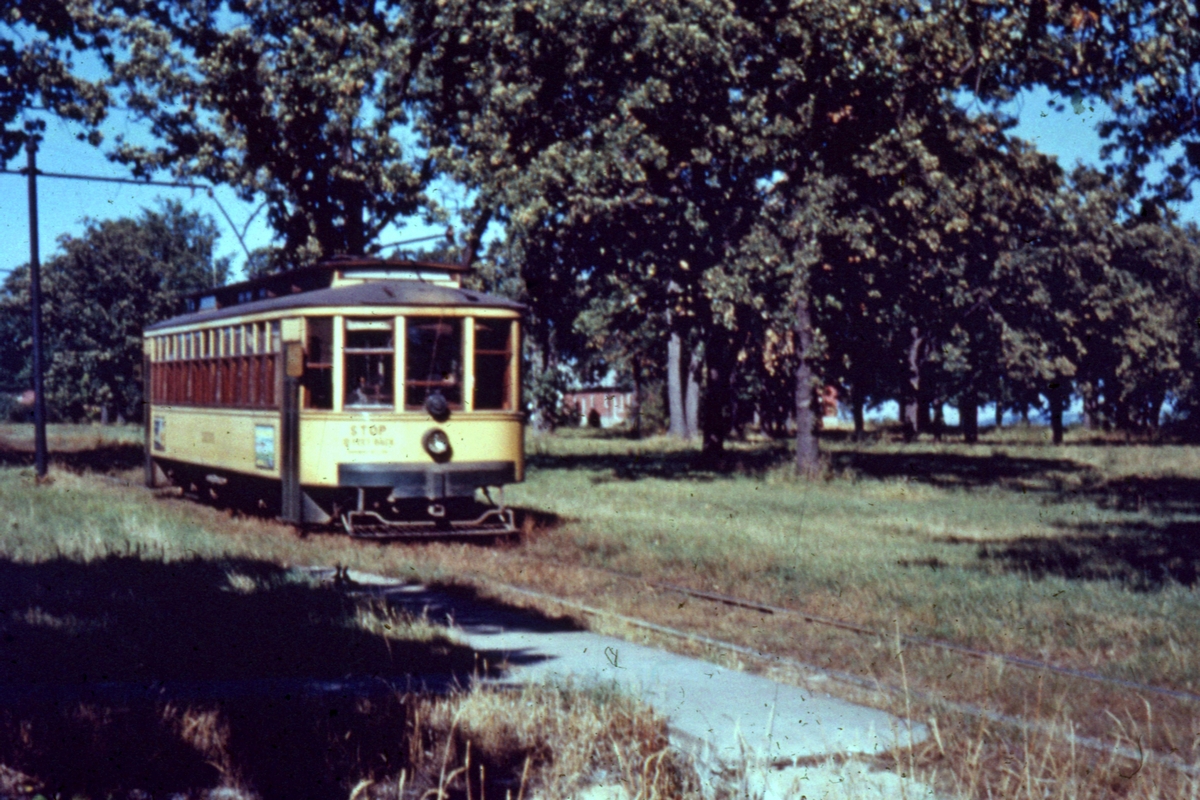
x=1016 y=661
x=972 y=652
x=1138 y=754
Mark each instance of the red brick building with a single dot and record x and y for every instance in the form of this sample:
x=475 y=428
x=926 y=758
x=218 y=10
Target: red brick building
x=612 y=406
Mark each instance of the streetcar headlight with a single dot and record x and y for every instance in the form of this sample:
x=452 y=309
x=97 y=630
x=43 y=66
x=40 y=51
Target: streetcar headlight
x=437 y=444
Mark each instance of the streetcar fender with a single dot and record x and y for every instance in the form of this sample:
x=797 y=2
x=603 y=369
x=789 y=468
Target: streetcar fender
x=428 y=481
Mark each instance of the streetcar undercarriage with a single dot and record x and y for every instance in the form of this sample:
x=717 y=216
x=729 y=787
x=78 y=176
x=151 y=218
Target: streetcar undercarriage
x=362 y=512
x=447 y=517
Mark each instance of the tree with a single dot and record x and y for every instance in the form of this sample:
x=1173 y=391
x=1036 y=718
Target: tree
x=630 y=148
x=598 y=135
x=99 y=292
x=1143 y=61
x=1184 y=266
x=945 y=204
x=38 y=39
x=301 y=103
x=1099 y=305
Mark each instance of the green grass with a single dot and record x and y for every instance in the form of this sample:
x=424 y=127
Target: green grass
x=1066 y=552
x=1085 y=555
x=108 y=590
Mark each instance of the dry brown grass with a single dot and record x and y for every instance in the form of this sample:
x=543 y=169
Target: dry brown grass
x=546 y=742
x=1083 y=555
x=559 y=739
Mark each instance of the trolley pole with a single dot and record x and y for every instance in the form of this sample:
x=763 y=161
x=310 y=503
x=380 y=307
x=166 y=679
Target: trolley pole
x=35 y=300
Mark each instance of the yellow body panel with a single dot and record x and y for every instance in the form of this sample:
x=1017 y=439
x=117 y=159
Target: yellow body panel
x=225 y=439
x=328 y=439
x=220 y=438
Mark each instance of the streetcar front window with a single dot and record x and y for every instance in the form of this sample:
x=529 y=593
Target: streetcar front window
x=493 y=364
x=370 y=355
x=318 y=364
x=432 y=360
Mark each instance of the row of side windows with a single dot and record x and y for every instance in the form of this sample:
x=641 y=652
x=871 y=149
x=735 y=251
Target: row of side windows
x=239 y=365
x=234 y=365
x=254 y=338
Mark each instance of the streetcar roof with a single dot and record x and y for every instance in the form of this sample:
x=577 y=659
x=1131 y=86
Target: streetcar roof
x=369 y=293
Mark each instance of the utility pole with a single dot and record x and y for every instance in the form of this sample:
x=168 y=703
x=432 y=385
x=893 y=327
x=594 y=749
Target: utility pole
x=35 y=300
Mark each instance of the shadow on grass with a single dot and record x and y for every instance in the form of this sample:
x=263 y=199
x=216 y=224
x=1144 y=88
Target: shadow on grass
x=1169 y=494
x=102 y=458
x=939 y=468
x=123 y=676
x=1142 y=555
x=470 y=611
x=670 y=465
x=954 y=469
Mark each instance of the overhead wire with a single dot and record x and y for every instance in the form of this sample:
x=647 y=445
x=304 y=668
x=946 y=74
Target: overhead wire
x=207 y=189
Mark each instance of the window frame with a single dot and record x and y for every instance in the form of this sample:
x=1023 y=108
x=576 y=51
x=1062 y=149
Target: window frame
x=345 y=352
x=461 y=383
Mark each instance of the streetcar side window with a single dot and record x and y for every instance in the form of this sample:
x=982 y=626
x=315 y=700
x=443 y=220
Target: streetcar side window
x=370 y=361
x=493 y=364
x=432 y=360
x=318 y=363
x=213 y=367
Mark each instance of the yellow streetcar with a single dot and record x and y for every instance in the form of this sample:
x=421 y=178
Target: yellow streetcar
x=378 y=394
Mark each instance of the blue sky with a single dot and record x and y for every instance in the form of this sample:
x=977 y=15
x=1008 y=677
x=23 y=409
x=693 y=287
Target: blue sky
x=63 y=204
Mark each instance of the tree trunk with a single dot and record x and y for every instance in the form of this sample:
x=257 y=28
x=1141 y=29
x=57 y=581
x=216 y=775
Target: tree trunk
x=808 y=450
x=542 y=418
x=637 y=399
x=1055 y=395
x=939 y=419
x=715 y=421
x=1156 y=406
x=912 y=404
x=691 y=402
x=857 y=401
x=968 y=417
x=356 y=234
x=1091 y=409
x=678 y=427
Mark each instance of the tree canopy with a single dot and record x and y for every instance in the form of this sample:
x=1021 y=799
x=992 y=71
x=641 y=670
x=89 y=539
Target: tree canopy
x=795 y=194
x=38 y=42
x=303 y=105
x=99 y=291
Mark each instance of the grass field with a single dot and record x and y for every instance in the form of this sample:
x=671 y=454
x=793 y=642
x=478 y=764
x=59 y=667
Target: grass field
x=1085 y=556
x=155 y=647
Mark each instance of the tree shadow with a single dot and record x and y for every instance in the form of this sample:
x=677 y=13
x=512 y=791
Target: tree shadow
x=472 y=612
x=103 y=458
x=669 y=465
x=1167 y=494
x=1144 y=556
x=948 y=470
x=122 y=676
x=619 y=466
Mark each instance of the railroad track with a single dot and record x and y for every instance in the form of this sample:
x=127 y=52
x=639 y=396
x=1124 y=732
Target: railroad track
x=908 y=639
x=1136 y=753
